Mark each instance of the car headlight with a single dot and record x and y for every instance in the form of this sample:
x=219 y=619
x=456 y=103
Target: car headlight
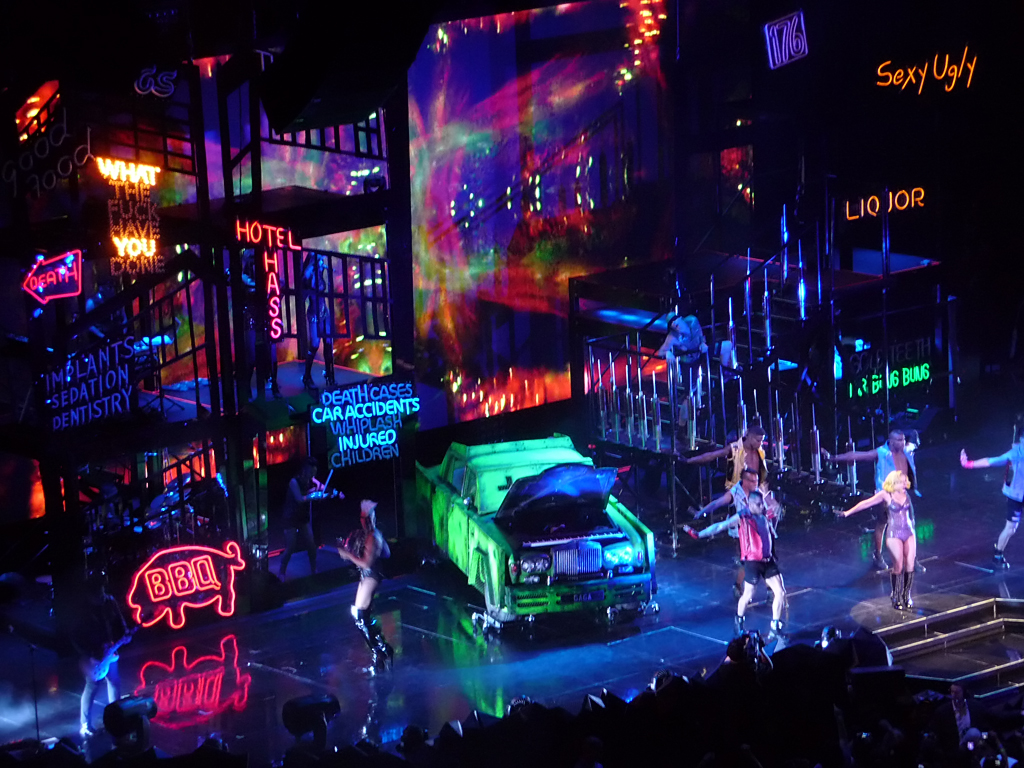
x=535 y=563
x=618 y=554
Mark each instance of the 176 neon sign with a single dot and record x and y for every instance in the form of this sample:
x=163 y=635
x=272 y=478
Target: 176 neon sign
x=271 y=238
x=185 y=577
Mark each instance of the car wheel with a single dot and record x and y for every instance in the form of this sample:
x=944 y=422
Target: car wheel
x=494 y=609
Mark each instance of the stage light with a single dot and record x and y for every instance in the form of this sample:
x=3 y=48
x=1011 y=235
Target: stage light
x=518 y=703
x=128 y=718
x=310 y=714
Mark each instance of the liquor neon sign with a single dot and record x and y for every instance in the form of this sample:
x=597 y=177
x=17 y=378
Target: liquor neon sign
x=191 y=692
x=55 y=278
x=900 y=201
x=271 y=238
x=185 y=577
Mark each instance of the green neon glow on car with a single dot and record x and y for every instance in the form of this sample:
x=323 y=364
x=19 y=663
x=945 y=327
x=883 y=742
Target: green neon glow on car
x=515 y=568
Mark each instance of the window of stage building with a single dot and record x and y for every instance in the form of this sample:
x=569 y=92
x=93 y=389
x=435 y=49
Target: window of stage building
x=21 y=489
x=537 y=148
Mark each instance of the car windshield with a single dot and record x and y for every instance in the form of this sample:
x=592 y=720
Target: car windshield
x=566 y=499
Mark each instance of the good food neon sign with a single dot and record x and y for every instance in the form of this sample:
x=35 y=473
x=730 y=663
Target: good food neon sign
x=185 y=577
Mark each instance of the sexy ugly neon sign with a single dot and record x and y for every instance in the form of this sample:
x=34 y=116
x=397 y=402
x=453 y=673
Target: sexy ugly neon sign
x=55 y=278
x=185 y=577
x=191 y=692
x=271 y=238
x=916 y=76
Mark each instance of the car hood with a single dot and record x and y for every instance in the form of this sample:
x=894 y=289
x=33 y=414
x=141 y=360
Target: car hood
x=578 y=483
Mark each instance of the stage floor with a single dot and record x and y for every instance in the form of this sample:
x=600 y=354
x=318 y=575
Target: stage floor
x=248 y=667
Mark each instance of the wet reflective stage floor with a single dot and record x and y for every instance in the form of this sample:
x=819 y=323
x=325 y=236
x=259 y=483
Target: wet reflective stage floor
x=233 y=678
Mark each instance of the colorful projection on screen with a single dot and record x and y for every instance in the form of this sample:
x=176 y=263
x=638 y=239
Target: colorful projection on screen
x=532 y=136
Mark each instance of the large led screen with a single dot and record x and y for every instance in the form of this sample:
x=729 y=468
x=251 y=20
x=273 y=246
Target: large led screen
x=536 y=153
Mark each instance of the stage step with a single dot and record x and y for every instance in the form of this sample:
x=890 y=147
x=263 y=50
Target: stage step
x=974 y=623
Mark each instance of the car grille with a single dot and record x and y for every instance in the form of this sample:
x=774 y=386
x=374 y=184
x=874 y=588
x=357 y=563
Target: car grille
x=581 y=558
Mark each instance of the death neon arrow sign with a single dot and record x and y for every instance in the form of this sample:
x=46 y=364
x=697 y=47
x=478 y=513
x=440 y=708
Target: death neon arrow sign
x=55 y=278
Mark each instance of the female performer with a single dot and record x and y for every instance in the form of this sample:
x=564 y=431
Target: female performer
x=364 y=552
x=900 y=538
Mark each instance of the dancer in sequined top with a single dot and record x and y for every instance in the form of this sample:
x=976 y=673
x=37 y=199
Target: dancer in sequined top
x=900 y=538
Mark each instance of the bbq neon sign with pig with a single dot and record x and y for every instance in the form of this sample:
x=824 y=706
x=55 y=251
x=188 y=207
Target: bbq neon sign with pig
x=185 y=577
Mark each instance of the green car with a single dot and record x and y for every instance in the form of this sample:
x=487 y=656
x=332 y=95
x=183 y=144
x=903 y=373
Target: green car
x=534 y=527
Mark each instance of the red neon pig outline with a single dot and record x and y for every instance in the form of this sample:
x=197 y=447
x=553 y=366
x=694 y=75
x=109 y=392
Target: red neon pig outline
x=228 y=649
x=231 y=551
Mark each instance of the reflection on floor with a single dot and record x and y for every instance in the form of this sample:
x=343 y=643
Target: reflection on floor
x=233 y=678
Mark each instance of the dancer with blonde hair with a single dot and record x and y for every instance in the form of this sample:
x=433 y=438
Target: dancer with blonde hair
x=900 y=538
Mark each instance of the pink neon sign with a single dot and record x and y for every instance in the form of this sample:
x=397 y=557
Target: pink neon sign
x=185 y=577
x=58 y=277
x=271 y=238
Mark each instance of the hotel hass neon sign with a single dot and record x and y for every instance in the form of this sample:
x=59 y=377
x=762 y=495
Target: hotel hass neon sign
x=271 y=238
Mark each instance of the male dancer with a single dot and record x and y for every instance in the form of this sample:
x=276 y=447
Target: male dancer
x=895 y=454
x=682 y=349
x=757 y=554
x=318 y=317
x=369 y=547
x=745 y=453
x=1013 y=485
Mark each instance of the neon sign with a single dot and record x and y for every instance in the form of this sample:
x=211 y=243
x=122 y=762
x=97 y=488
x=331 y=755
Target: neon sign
x=253 y=233
x=55 y=278
x=901 y=201
x=365 y=418
x=92 y=385
x=132 y=215
x=914 y=75
x=898 y=377
x=191 y=692
x=786 y=39
x=271 y=238
x=185 y=577
x=160 y=85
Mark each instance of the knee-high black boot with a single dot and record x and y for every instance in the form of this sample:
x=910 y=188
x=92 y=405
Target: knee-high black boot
x=380 y=651
x=908 y=580
x=897 y=590
x=307 y=377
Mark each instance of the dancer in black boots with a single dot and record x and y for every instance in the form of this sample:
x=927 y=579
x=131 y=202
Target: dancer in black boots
x=318 y=316
x=900 y=535
x=364 y=550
